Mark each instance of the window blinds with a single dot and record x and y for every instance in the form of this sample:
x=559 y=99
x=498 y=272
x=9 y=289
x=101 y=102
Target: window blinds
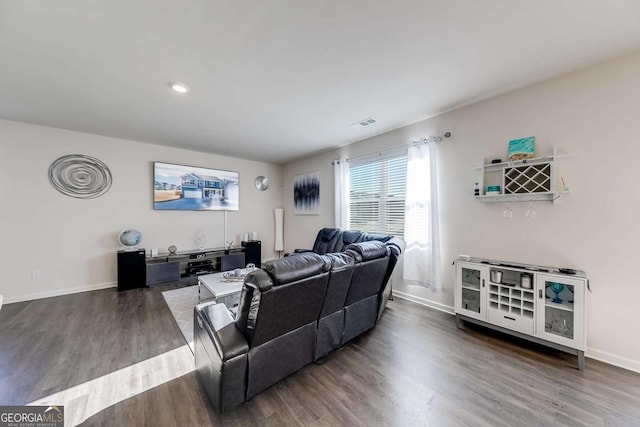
x=377 y=194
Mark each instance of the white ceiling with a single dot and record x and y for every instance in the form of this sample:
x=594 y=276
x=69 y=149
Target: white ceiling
x=275 y=80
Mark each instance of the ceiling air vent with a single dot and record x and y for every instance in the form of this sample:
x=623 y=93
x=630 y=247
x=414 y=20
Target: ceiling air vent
x=364 y=122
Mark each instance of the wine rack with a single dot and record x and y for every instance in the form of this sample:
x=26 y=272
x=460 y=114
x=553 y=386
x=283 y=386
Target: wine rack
x=528 y=179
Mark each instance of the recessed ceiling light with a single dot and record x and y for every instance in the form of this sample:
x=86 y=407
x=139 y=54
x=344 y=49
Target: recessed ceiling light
x=179 y=87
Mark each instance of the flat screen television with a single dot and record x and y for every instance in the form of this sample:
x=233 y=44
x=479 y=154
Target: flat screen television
x=179 y=187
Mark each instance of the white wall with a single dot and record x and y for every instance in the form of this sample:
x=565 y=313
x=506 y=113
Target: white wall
x=592 y=115
x=73 y=242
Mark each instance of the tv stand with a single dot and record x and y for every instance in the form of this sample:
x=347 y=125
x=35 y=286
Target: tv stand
x=136 y=270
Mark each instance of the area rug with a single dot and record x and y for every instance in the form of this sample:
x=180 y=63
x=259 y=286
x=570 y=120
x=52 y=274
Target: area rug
x=181 y=302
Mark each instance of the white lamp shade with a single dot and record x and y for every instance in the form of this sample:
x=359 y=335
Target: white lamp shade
x=279 y=238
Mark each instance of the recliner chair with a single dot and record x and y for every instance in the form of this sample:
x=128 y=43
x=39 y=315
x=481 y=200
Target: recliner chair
x=273 y=336
x=362 y=302
x=278 y=313
x=331 y=322
x=325 y=242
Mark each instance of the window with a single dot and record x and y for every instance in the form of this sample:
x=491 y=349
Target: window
x=377 y=194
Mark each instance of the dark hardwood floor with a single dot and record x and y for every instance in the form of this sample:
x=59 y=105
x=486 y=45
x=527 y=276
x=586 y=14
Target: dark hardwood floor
x=414 y=368
x=51 y=344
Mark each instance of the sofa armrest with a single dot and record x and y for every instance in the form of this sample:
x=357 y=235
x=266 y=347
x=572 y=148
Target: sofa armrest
x=218 y=322
x=221 y=355
x=259 y=279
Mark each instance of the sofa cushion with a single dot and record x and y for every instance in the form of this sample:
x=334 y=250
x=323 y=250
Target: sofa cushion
x=346 y=238
x=366 y=251
x=367 y=237
x=289 y=269
x=340 y=261
x=326 y=234
x=285 y=308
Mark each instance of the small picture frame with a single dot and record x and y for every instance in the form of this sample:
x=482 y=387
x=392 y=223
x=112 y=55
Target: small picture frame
x=521 y=149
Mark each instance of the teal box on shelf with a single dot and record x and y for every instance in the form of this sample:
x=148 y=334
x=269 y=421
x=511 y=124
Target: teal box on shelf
x=520 y=149
x=493 y=189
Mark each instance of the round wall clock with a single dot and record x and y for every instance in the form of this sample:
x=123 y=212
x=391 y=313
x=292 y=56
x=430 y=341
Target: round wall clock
x=261 y=183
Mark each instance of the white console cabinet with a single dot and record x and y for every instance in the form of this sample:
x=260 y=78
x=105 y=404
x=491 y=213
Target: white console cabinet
x=537 y=303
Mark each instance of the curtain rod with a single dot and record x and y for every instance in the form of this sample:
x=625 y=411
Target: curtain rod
x=432 y=138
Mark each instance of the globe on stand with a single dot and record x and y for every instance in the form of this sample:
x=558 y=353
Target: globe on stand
x=130 y=238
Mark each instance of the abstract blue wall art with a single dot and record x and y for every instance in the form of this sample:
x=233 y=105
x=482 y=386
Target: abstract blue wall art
x=306 y=194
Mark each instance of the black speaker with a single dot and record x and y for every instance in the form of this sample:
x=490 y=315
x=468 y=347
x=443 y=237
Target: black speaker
x=253 y=252
x=132 y=271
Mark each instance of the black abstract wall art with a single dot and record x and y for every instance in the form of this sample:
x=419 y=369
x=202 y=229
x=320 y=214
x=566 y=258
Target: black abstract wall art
x=306 y=194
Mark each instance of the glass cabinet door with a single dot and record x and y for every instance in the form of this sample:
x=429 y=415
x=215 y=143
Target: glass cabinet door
x=560 y=314
x=471 y=290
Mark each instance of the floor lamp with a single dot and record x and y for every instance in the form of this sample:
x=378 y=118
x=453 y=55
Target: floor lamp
x=279 y=230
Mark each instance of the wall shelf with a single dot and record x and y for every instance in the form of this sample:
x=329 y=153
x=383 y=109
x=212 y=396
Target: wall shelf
x=521 y=181
x=496 y=198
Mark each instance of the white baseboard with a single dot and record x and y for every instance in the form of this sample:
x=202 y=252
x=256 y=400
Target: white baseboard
x=613 y=359
x=423 y=301
x=59 y=292
x=593 y=353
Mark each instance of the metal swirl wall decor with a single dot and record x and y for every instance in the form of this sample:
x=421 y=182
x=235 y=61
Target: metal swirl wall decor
x=80 y=176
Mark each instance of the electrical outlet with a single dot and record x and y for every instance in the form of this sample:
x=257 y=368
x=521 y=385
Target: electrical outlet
x=36 y=275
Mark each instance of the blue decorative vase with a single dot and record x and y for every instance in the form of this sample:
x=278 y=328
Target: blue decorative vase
x=556 y=288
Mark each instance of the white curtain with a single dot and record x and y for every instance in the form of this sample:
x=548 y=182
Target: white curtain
x=421 y=228
x=341 y=193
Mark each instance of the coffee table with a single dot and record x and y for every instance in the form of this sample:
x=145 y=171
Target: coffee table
x=221 y=290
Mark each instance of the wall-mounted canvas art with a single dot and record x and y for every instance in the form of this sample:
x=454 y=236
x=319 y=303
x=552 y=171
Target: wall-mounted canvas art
x=179 y=187
x=521 y=149
x=306 y=194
